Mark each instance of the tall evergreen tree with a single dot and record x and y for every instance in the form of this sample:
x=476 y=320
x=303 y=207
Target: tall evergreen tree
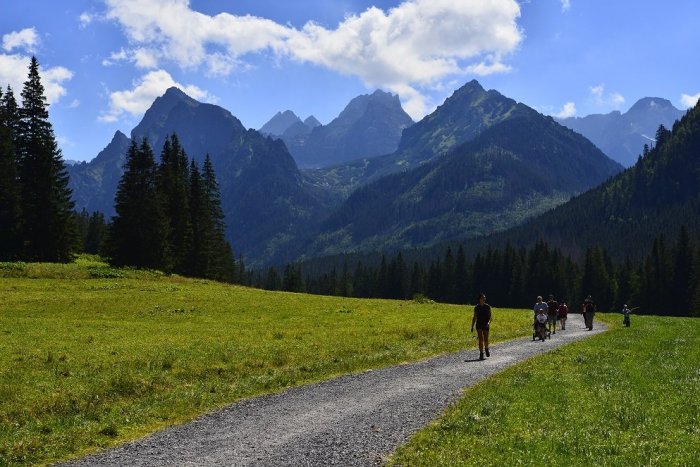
x=10 y=210
x=222 y=260
x=683 y=265
x=173 y=184
x=49 y=232
x=139 y=229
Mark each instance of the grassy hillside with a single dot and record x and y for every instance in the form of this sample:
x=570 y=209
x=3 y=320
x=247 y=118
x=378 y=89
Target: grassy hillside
x=91 y=356
x=626 y=397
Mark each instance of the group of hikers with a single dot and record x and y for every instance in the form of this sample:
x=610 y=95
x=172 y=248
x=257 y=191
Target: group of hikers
x=547 y=315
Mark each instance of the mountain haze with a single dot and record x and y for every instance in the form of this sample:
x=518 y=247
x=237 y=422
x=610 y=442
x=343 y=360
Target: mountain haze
x=622 y=136
x=370 y=125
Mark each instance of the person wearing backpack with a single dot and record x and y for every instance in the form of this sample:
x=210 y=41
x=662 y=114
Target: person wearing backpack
x=562 y=314
x=590 y=309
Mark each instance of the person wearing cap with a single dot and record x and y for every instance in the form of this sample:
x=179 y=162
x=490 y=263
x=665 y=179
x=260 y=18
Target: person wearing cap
x=482 y=320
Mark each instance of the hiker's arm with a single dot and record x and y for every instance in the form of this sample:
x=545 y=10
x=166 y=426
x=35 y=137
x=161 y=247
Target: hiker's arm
x=473 y=320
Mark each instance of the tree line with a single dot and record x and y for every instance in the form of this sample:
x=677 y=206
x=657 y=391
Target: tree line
x=665 y=282
x=36 y=210
x=168 y=215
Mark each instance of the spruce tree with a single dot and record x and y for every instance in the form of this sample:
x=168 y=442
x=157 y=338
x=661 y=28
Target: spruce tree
x=139 y=229
x=173 y=185
x=48 y=232
x=222 y=260
x=10 y=211
x=200 y=223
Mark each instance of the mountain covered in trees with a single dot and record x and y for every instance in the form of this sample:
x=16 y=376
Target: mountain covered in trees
x=470 y=110
x=370 y=125
x=513 y=170
x=659 y=194
x=621 y=136
x=264 y=199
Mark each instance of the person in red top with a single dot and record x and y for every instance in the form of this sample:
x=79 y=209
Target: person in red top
x=482 y=319
x=563 y=312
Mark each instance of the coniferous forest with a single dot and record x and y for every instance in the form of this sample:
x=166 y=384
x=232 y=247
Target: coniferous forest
x=169 y=214
x=665 y=282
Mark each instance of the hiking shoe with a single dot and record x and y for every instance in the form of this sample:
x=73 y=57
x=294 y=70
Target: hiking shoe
x=481 y=356
x=488 y=354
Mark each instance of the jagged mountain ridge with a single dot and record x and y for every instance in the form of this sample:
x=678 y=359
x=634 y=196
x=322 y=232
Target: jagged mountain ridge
x=512 y=171
x=264 y=198
x=370 y=125
x=622 y=135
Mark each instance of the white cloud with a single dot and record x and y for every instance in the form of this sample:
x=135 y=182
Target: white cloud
x=85 y=19
x=137 y=100
x=690 y=100
x=411 y=47
x=74 y=104
x=26 y=39
x=15 y=68
x=568 y=110
x=613 y=100
x=565 y=5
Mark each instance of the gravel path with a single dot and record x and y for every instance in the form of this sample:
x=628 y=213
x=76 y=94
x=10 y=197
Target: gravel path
x=352 y=420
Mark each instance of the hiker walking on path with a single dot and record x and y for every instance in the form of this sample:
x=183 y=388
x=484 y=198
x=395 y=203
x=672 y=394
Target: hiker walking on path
x=562 y=314
x=626 y=316
x=552 y=314
x=589 y=312
x=540 y=305
x=482 y=320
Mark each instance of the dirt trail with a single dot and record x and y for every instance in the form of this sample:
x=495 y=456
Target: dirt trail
x=352 y=420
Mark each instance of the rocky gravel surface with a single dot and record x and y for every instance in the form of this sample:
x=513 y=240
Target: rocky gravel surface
x=357 y=419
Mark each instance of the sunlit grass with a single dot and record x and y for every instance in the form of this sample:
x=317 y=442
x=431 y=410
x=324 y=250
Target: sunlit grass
x=91 y=356
x=630 y=396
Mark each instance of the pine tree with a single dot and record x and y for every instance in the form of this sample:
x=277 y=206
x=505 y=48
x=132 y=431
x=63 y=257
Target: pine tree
x=681 y=287
x=10 y=207
x=96 y=233
x=222 y=261
x=139 y=230
x=173 y=185
x=49 y=232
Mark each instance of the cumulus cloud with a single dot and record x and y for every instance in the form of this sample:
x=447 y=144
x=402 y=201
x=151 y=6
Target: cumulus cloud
x=568 y=110
x=15 y=68
x=405 y=49
x=565 y=5
x=26 y=39
x=137 y=100
x=690 y=100
x=614 y=100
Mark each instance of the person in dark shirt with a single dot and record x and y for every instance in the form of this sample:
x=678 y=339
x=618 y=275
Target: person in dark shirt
x=482 y=320
x=552 y=314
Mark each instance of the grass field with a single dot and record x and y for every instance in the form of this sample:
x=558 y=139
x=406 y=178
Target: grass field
x=92 y=356
x=630 y=396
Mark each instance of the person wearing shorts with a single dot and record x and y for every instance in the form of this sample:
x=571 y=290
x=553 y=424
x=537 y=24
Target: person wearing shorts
x=482 y=320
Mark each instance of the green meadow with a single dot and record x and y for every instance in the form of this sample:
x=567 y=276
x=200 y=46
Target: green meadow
x=92 y=356
x=630 y=396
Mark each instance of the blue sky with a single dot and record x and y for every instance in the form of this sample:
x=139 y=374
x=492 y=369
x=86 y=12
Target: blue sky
x=104 y=62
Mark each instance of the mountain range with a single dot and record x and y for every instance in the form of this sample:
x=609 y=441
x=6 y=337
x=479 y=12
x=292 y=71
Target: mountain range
x=622 y=136
x=479 y=164
x=515 y=169
x=370 y=125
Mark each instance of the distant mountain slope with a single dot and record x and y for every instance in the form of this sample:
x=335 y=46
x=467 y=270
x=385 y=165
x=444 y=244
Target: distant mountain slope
x=469 y=111
x=514 y=170
x=94 y=183
x=264 y=198
x=279 y=123
x=622 y=136
x=369 y=125
x=657 y=195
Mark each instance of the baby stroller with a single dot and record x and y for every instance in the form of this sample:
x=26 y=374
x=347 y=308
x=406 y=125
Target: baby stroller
x=540 y=331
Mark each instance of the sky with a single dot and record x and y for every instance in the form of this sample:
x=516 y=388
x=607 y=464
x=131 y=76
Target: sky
x=103 y=62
